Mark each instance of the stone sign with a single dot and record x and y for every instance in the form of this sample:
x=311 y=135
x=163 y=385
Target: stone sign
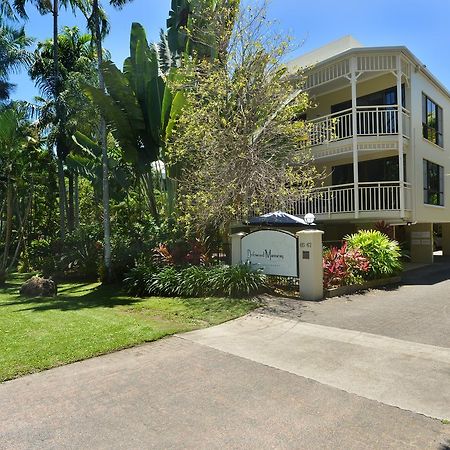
x=273 y=251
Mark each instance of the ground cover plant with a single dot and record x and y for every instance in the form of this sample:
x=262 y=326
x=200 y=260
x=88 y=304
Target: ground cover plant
x=195 y=281
x=89 y=319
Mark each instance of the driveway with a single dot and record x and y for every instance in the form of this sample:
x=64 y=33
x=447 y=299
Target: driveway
x=350 y=373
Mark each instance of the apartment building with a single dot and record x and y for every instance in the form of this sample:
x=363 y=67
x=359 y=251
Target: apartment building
x=380 y=132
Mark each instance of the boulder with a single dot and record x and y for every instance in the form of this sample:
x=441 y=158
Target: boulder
x=39 y=287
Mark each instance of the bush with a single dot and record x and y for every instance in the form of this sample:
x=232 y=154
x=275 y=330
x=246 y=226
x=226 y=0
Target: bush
x=194 y=281
x=383 y=253
x=236 y=281
x=137 y=279
x=344 y=266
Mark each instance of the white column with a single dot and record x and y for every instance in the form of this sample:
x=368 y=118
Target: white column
x=353 y=80
x=310 y=255
x=401 y=173
x=236 y=254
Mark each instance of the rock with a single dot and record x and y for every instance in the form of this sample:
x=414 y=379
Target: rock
x=39 y=287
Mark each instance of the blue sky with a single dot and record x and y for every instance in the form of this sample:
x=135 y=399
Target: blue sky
x=421 y=26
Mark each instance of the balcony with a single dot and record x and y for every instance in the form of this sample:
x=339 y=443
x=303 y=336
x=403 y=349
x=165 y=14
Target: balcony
x=371 y=121
x=379 y=200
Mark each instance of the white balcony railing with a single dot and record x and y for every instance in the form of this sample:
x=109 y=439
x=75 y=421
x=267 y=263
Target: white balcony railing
x=379 y=120
x=372 y=197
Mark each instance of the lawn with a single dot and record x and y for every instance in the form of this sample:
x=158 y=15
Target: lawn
x=88 y=319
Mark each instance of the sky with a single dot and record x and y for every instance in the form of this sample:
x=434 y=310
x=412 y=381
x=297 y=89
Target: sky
x=422 y=26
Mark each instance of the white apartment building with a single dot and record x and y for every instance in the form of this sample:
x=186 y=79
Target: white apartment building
x=382 y=136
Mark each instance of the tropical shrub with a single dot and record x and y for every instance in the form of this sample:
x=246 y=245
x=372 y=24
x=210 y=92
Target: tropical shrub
x=181 y=253
x=383 y=253
x=194 y=281
x=344 y=266
x=236 y=281
x=137 y=279
x=80 y=253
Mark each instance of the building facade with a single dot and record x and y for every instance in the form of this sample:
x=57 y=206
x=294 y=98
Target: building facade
x=381 y=135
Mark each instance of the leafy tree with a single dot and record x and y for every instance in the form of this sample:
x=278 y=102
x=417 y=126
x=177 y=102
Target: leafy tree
x=19 y=156
x=98 y=24
x=141 y=107
x=17 y=9
x=238 y=140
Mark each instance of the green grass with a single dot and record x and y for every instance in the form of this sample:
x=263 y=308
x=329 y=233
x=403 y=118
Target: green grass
x=86 y=320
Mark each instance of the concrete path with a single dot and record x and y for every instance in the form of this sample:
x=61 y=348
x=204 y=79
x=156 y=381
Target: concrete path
x=176 y=394
x=409 y=375
x=296 y=375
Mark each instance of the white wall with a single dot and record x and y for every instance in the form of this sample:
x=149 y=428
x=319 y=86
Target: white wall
x=424 y=149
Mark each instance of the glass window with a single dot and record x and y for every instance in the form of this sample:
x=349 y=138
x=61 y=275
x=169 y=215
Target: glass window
x=432 y=121
x=433 y=183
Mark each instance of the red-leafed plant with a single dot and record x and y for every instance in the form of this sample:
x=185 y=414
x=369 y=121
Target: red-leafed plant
x=343 y=266
x=385 y=228
x=180 y=254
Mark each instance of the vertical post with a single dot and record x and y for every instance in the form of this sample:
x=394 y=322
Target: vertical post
x=353 y=81
x=401 y=173
x=236 y=254
x=310 y=261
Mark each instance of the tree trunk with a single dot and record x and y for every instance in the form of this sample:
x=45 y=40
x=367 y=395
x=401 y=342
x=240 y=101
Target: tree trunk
x=102 y=132
x=9 y=225
x=76 y=194
x=21 y=232
x=62 y=199
x=61 y=179
x=71 y=207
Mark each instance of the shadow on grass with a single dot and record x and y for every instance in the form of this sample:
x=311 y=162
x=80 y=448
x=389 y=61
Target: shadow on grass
x=80 y=297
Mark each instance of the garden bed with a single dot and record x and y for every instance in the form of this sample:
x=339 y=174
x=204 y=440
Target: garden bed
x=354 y=288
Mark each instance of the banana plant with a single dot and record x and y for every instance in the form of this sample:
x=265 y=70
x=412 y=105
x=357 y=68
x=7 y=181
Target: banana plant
x=141 y=110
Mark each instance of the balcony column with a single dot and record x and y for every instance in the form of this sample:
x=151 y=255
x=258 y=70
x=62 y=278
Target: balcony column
x=401 y=173
x=353 y=81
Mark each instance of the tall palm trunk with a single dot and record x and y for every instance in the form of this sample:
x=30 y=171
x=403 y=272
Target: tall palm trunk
x=8 y=228
x=70 y=204
x=76 y=195
x=60 y=163
x=102 y=133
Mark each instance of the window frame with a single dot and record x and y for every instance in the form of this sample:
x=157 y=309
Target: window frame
x=434 y=134
x=428 y=191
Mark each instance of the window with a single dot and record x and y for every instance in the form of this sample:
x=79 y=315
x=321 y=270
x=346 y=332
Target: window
x=381 y=169
x=433 y=183
x=432 y=121
x=384 y=97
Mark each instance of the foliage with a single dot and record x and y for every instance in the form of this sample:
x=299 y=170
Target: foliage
x=344 y=266
x=236 y=281
x=13 y=55
x=76 y=65
x=181 y=252
x=194 y=281
x=383 y=253
x=76 y=258
x=21 y=166
x=238 y=140
x=385 y=228
x=134 y=241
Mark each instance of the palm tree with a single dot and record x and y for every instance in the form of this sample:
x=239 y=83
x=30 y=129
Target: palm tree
x=76 y=66
x=17 y=8
x=98 y=24
x=13 y=55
